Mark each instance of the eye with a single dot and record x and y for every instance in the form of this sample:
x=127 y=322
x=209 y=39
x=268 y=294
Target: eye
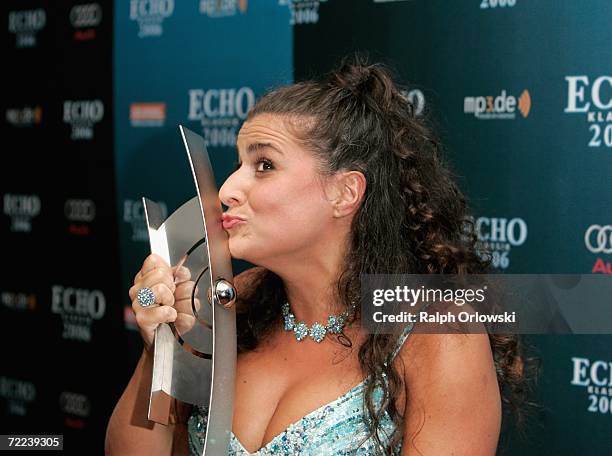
x=263 y=164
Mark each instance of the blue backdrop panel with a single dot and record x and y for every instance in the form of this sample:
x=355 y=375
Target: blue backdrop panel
x=200 y=64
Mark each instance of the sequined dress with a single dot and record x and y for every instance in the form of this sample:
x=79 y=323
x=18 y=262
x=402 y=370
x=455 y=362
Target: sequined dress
x=334 y=429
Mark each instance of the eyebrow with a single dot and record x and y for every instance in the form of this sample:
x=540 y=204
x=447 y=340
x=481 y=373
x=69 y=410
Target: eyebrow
x=253 y=147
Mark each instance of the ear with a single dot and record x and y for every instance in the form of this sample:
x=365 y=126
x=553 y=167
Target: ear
x=345 y=192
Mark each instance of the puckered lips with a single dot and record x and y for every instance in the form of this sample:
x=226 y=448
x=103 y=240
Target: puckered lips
x=229 y=221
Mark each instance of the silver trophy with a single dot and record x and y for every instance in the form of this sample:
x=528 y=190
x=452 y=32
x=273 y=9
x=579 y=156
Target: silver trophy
x=195 y=357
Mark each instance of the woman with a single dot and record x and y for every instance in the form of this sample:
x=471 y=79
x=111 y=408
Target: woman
x=336 y=178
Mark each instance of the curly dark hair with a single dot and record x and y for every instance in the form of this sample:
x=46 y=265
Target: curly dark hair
x=357 y=118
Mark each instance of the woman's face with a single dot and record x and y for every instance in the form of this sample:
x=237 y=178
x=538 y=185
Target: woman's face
x=279 y=193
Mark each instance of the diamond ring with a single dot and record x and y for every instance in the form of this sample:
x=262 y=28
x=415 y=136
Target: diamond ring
x=145 y=297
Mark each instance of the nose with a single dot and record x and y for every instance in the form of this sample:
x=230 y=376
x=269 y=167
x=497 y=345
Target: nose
x=230 y=192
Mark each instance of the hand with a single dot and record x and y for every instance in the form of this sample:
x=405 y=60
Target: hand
x=172 y=289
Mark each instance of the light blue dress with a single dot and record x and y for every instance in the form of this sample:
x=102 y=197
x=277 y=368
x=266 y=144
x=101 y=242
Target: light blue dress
x=334 y=429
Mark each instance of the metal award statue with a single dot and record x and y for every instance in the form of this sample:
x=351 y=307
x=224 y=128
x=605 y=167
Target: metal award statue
x=195 y=362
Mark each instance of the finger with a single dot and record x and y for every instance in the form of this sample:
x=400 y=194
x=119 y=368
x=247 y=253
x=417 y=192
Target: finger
x=150 y=279
x=184 y=290
x=183 y=296
x=163 y=297
x=184 y=306
x=149 y=319
x=157 y=276
x=181 y=274
x=184 y=323
x=154 y=261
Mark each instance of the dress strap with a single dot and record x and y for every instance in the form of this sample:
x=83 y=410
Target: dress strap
x=404 y=335
x=402 y=338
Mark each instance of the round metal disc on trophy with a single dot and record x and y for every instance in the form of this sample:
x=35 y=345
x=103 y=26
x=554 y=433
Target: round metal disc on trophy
x=195 y=356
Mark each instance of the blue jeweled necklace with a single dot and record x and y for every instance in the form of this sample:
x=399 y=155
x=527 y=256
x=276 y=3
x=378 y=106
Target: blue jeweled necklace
x=335 y=325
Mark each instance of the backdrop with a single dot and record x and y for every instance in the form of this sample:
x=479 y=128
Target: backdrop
x=520 y=92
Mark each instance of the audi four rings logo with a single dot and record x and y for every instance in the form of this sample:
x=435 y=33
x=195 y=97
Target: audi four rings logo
x=89 y=15
x=74 y=403
x=598 y=238
x=80 y=210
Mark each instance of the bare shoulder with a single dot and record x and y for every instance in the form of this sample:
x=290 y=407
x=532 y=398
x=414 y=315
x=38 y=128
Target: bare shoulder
x=433 y=352
x=453 y=401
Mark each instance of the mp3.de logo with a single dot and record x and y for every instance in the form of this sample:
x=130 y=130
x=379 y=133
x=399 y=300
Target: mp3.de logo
x=134 y=215
x=80 y=213
x=25 y=24
x=18 y=394
x=223 y=8
x=26 y=116
x=220 y=112
x=85 y=19
x=502 y=106
x=598 y=240
x=19 y=301
x=592 y=97
x=21 y=209
x=497 y=236
x=82 y=116
x=596 y=378
x=150 y=16
x=79 y=309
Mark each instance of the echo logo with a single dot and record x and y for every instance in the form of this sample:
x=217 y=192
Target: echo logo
x=596 y=378
x=150 y=15
x=140 y=9
x=11 y=388
x=497 y=236
x=220 y=112
x=595 y=101
x=576 y=86
x=489 y=4
x=214 y=103
x=302 y=11
x=18 y=394
x=25 y=24
x=416 y=98
x=27 y=21
x=133 y=213
x=78 y=308
x=21 y=209
x=513 y=231
x=78 y=301
x=24 y=205
x=82 y=115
